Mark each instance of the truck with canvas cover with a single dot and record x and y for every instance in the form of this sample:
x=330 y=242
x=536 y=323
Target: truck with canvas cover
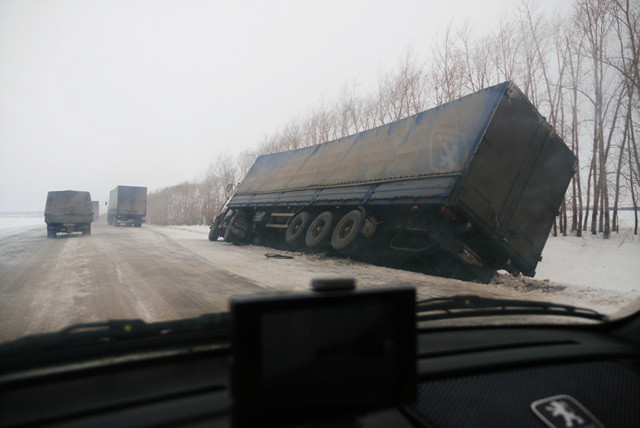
x=474 y=184
x=127 y=206
x=68 y=211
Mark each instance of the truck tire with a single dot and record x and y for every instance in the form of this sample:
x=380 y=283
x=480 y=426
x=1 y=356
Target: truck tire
x=347 y=229
x=213 y=234
x=297 y=229
x=231 y=237
x=137 y=224
x=86 y=230
x=319 y=230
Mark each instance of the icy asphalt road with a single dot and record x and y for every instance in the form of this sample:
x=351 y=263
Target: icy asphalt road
x=161 y=273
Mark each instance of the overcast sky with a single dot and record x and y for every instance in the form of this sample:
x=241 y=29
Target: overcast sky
x=94 y=94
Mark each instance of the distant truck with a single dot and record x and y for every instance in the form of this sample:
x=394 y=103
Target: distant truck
x=68 y=211
x=96 y=209
x=474 y=184
x=127 y=206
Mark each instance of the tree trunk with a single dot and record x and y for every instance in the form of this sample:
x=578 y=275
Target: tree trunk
x=633 y=193
x=564 y=217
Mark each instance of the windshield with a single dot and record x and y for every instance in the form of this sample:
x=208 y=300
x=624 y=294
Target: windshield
x=158 y=158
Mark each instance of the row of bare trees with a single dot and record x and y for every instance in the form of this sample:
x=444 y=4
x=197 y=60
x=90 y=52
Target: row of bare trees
x=196 y=202
x=580 y=70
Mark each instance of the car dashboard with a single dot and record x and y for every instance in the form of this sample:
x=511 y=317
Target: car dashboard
x=523 y=375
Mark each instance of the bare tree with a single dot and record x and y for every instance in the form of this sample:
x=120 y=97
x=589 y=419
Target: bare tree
x=573 y=50
x=348 y=117
x=537 y=34
x=626 y=16
x=627 y=22
x=633 y=175
x=245 y=160
x=447 y=69
x=477 y=58
x=529 y=57
x=505 y=50
x=596 y=23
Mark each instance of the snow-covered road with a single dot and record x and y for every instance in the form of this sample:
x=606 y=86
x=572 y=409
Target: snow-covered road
x=160 y=273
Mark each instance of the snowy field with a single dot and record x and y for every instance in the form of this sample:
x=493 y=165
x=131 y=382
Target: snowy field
x=12 y=225
x=592 y=262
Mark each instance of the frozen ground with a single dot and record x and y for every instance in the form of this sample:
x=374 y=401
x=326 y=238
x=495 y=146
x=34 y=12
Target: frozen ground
x=588 y=262
x=598 y=273
x=12 y=225
x=591 y=262
x=159 y=273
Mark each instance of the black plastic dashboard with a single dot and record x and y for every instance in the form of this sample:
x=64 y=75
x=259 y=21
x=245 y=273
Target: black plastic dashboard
x=466 y=377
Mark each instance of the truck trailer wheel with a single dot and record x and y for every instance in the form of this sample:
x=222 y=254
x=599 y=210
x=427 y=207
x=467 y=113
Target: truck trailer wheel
x=319 y=229
x=297 y=229
x=347 y=229
x=231 y=237
x=228 y=235
x=86 y=230
x=213 y=234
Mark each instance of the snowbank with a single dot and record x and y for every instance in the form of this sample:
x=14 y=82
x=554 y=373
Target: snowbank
x=12 y=225
x=195 y=229
x=593 y=262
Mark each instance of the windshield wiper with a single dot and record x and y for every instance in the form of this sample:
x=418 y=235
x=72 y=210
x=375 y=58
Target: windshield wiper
x=74 y=338
x=463 y=306
x=124 y=329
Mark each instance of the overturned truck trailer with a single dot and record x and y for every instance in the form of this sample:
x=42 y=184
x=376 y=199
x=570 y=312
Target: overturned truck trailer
x=477 y=181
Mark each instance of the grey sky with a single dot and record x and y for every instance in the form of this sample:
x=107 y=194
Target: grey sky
x=99 y=93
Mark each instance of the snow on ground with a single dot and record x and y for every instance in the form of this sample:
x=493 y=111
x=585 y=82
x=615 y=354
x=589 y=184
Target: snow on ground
x=248 y=261
x=12 y=225
x=588 y=264
x=605 y=271
x=195 y=229
x=590 y=261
